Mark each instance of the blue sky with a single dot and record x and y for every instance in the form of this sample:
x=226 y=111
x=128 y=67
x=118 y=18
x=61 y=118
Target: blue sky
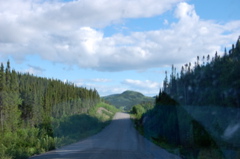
x=117 y=45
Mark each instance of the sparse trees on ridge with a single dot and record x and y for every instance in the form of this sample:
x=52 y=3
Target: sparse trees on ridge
x=214 y=82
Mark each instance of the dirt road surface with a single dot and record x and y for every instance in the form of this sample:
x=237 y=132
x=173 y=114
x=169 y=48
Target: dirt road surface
x=119 y=140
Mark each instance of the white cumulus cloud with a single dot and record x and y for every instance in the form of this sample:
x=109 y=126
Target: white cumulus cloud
x=145 y=86
x=70 y=33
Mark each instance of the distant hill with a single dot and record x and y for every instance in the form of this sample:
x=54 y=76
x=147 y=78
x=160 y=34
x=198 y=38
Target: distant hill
x=127 y=99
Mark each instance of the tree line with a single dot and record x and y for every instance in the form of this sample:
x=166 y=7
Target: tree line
x=34 y=100
x=29 y=104
x=196 y=108
x=210 y=81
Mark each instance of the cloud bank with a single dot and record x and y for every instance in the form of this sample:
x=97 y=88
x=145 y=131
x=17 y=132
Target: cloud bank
x=70 y=33
x=108 y=86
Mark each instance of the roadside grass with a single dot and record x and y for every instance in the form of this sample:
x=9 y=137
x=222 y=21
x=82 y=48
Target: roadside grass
x=28 y=141
x=74 y=128
x=106 y=114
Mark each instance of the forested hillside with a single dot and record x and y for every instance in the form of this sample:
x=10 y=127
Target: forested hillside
x=34 y=100
x=128 y=99
x=197 y=113
x=32 y=108
x=209 y=81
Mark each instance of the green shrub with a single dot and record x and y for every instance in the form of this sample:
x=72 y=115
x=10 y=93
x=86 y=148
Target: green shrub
x=27 y=141
x=138 y=111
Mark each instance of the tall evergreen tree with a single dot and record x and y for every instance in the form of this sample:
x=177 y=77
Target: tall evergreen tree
x=213 y=83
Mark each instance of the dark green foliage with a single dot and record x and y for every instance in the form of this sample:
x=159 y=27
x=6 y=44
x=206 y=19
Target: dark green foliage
x=211 y=83
x=201 y=137
x=163 y=99
x=25 y=142
x=162 y=121
x=29 y=105
x=170 y=126
x=76 y=126
x=138 y=110
x=210 y=91
x=215 y=82
x=127 y=99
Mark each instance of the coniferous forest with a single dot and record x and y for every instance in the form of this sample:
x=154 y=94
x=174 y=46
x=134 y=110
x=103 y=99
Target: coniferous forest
x=197 y=113
x=39 y=114
x=209 y=81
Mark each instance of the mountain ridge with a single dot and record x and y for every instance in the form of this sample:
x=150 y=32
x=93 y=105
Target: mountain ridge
x=127 y=99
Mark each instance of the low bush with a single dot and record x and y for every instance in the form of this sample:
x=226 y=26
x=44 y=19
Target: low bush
x=27 y=141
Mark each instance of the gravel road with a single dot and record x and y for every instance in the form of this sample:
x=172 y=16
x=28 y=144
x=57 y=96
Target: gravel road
x=119 y=140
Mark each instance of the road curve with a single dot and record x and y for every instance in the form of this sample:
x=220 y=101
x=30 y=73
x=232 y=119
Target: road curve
x=119 y=140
